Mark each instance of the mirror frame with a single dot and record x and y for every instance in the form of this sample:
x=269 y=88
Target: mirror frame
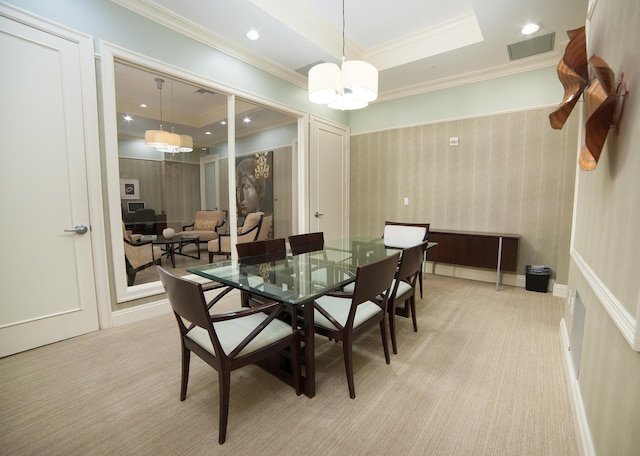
x=109 y=54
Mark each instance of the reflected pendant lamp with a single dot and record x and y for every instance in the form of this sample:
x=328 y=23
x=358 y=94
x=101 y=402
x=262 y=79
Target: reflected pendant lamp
x=157 y=138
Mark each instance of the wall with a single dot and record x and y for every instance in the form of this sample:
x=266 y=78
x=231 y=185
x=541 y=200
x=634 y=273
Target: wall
x=510 y=173
x=167 y=186
x=604 y=266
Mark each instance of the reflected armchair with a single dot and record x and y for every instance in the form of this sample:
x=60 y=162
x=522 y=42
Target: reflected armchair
x=207 y=225
x=138 y=255
x=256 y=227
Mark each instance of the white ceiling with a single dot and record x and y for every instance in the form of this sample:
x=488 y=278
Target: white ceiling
x=417 y=45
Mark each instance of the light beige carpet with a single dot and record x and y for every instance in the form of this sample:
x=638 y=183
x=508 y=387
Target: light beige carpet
x=482 y=376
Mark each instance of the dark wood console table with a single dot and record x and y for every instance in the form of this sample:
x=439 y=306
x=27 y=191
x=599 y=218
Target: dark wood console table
x=497 y=251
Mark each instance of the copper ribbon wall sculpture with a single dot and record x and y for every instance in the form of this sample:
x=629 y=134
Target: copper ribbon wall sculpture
x=601 y=96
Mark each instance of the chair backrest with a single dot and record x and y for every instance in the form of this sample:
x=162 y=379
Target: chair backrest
x=188 y=303
x=208 y=220
x=402 y=235
x=186 y=298
x=261 y=251
x=374 y=279
x=265 y=227
x=410 y=263
x=251 y=221
x=144 y=216
x=309 y=242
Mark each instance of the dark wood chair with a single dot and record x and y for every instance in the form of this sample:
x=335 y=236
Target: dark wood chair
x=260 y=249
x=259 y=252
x=342 y=318
x=403 y=289
x=227 y=341
x=144 y=221
x=308 y=242
x=407 y=237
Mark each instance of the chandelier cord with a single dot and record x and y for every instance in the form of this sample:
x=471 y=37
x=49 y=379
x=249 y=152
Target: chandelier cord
x=344 y=58
x=159 y=81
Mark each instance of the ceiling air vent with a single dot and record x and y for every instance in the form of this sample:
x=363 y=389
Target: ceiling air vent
x=534 y=46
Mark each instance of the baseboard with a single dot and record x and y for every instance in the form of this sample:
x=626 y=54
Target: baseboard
x=583 y=433
x=157 y=308
x=489 y=275
x=141 y=312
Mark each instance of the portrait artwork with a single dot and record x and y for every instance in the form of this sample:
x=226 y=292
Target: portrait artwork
x=254 y=183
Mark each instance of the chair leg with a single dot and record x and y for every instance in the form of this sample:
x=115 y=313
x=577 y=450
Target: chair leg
x=348 y=365
x=186 y=357
x=210 y=257
x=412 y=303
x=385 y=343
x=224 y=381
x=392 y=329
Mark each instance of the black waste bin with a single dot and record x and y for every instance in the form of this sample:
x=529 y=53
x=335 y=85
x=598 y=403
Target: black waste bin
x=538 y=278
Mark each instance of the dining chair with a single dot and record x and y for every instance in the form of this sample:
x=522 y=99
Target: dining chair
x=403 y=289
x=229 y=340
x=343 y=318
x=259 y=252
x=405 y=234
x=308 y=242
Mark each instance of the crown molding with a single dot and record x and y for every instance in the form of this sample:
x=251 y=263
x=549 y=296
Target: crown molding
x=454 y=34
x=166 y=18
x=156 y=13
x=532 y=63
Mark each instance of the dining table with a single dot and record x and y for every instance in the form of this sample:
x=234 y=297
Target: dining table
x=296 y=281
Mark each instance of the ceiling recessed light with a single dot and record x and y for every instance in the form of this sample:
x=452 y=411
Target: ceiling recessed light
x=143 y=105
x=531 y=27
x=246 y=120
x=207 y=132
x=253 y=35
x=128 y=118
x=223 y=122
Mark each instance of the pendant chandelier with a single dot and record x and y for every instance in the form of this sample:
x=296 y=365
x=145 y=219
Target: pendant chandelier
x=351 y=86
x=165 y=141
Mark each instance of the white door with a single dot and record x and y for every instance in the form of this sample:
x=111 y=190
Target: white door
x=209 y=184
x=328 y=179
x=47 y=278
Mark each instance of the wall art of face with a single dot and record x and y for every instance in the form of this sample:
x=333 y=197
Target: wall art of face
x=249 y=189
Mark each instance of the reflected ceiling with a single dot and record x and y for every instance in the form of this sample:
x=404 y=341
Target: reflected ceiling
x=188 y=109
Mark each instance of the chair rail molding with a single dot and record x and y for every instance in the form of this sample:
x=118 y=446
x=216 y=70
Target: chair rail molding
x=626 y=323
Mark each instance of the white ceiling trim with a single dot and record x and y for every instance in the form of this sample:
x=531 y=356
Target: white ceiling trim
x=166 y=18
x=533 y=63
x=454 y=34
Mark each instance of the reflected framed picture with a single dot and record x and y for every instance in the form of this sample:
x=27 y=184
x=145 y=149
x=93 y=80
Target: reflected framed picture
x=129 y=189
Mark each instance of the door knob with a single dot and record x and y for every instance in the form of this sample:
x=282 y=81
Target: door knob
x=318 y=214
x=78 y=229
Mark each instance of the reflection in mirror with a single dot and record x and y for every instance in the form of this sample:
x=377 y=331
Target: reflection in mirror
x=176 y=204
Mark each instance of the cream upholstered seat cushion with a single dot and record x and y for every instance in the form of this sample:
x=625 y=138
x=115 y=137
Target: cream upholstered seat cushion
x=205 y=225
x=232 y=332
x=402 y=236
x=339 y=309
x=403 y=287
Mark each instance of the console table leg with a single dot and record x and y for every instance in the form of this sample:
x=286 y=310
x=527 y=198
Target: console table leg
x=498 y=272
